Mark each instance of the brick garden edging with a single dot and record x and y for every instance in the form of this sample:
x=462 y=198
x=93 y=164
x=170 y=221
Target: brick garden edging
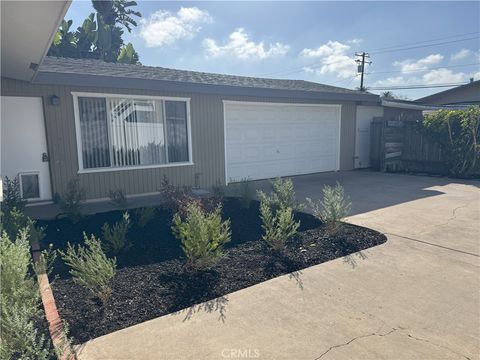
x=55 y=325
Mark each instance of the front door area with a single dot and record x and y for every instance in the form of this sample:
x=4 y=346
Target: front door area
x=24 y=146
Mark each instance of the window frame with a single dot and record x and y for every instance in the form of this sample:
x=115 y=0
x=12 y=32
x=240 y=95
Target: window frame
x=82 y=170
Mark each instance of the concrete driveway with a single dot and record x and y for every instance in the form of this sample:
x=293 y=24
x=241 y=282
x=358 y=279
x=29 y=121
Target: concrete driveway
x=414 y=297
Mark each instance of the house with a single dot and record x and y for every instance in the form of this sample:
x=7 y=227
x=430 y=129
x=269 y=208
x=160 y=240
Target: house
x=118 y=126
x=468 y=94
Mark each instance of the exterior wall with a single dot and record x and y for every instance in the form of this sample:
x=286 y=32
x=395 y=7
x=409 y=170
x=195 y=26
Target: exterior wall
x=207 y=131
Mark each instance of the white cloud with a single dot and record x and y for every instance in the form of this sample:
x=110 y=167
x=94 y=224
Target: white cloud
x=240 y=46
x=163 y=28
x=439 y=76
x=432 y=77
x=355 y=41
x=334 y=58
x=462 y=54
x=421 y=64
x=328 y=49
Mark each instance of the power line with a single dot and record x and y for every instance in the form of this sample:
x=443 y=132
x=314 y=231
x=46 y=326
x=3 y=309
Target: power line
x=415 y=86
x=421 y=70
x=424 y=46
x=388 y=49
x=424 y=41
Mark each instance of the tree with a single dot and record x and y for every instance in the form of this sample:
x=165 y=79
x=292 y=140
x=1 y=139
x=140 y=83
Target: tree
x=128 y=55
x=100 y=35
x=116 y=12
x=86 y=36
x=64 y=42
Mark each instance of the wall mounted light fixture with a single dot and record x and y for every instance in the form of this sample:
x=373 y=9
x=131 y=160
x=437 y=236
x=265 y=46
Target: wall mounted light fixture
x=54 y=100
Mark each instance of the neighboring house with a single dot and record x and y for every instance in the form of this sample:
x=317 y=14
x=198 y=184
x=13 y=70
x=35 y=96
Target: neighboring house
x=126 y=126
x=468 y=94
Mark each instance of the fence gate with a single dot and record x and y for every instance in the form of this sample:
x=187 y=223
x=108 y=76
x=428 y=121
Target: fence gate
x=399 y=145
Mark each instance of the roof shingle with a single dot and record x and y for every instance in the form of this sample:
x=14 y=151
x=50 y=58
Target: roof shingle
x=101 y=68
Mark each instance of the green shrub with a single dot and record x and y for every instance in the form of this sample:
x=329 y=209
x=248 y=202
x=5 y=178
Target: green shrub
x=118 y=198
x=202 y=235
x=246 y=193
x=90 y=267
x=277 y=221
x=13 y=221
x=37 y=233
x=332 y=208
x=70 y=201
x=12 y=198
x=144 y=215
x=114 y=238
x=283 y=194
x=457 y=132
x=19 y=303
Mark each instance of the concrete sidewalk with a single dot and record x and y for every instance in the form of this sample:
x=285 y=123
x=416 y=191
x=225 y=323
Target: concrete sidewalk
x=414 y=297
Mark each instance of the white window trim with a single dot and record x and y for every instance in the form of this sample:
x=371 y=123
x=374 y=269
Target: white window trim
x=82 y=170
x=254 y=103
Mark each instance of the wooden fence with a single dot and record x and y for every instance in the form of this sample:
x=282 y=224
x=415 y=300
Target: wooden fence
x=398 y=145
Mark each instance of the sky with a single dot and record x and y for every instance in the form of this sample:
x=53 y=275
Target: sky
x=409 y=43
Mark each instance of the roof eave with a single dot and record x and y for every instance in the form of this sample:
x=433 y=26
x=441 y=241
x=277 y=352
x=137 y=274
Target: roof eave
x=55 y=78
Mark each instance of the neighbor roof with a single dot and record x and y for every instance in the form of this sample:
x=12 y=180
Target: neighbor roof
x=76 y=71
x=449 y=94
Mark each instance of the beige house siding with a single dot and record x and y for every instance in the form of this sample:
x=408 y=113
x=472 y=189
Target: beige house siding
x=207 y=127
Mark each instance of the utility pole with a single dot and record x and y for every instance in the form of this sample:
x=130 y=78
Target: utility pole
x=361 y=66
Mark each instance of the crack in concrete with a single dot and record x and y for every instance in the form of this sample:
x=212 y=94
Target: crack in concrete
x=454 y=214
x=438 y=345
x=354 y=339
x=386 y=334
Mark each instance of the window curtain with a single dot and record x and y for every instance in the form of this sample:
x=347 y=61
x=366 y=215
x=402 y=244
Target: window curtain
x=137 y=132
x=94 y=132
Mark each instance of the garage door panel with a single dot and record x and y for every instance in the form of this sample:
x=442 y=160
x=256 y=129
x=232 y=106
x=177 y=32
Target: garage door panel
x=265 y=141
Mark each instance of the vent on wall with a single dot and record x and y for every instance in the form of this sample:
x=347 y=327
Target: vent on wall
x=30 y=185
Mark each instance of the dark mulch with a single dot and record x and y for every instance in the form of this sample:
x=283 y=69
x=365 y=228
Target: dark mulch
x=153 y=280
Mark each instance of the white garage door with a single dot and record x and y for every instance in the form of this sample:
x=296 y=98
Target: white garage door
x=265 y=140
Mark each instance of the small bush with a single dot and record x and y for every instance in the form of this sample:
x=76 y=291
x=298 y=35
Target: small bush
x=13 y=221
x=12 y=198
x=90 y=267
x=332 y=208
x=277 y=222
x=176 y=198
x=118 y=198
x=114 y=238
x=37 y=233
x=144 y=215
x=70 y=201
x=19 y=303
x=283 y=194
x=246 y=193
x=202 y=235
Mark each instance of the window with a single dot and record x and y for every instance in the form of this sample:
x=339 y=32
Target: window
x=125 y=132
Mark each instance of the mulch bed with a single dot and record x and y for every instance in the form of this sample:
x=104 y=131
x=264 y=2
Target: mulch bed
x=153 y=280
